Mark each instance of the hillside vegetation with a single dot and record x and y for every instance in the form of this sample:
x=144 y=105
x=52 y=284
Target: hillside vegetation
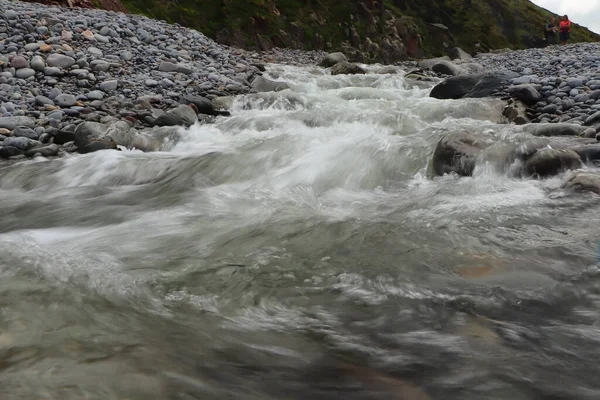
x=368 y=29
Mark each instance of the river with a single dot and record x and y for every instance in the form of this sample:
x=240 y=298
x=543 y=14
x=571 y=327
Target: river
x=300 y=249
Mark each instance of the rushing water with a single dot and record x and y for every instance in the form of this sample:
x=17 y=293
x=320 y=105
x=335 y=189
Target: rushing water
x=299 y=249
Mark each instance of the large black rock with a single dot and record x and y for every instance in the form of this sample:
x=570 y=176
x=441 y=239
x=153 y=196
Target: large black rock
x=589 y=153
x=473 y=86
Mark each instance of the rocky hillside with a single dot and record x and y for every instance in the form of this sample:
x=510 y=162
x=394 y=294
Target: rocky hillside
x=385 y=30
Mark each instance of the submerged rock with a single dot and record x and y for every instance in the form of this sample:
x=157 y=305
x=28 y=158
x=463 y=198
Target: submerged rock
x=583 y=182
x=49 y=150
x=261 y=84
x=331 y=59
x=457 y=152
x=548 y=162
x=346 y=68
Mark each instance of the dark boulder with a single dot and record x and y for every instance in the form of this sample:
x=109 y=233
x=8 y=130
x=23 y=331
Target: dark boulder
x=9 y=151
x=203 y=105
x=528 y=94
x=471 y=86
x=583 y=182
x=346 y=68
x=179 y=116
x=457 y=152
x=87 y=132
x=548 y=162
x=61 y=136
x=589 y=153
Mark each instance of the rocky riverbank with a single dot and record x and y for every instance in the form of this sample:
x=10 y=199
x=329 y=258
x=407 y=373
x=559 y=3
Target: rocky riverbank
x=84 y=80
x=553 y=92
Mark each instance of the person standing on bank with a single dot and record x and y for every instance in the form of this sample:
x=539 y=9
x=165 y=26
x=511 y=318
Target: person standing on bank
x=565 y=30
x=550 y=30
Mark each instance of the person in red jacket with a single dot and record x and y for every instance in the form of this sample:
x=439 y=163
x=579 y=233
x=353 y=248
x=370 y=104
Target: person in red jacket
x=565 y=30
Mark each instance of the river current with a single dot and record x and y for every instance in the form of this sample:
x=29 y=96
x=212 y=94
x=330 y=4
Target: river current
x=300 y=249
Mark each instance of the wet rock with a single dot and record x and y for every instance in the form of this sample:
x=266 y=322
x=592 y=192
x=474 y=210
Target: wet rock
x=447 y=68
x=388 y=70
x=97 y=145
x=202 y=104
x=556 y=129
x=9 y=151
x=49 y=150
x=121 y=133
x=179 y=116
x=589 y=153
x=589 y=133
x=331 y=59
x=88 y=132
x=593 y=119
x=222 y=103
x=526 y=93
x=63 y=136
x=346 y=68
x=473 y=86
x=548 y=162
x=457 y=152
x=261 y=84
x=583 y=182
x=21 y=143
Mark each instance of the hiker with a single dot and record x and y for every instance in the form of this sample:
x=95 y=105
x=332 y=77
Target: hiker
x=550 y=30
x=565 y=30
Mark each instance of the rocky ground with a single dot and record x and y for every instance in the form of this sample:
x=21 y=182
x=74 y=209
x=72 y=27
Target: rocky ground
x=83 y=80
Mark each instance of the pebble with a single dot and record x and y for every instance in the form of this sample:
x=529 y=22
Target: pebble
x=59 y=60
x=108 y=86
x=65 y=100
x=25 y=73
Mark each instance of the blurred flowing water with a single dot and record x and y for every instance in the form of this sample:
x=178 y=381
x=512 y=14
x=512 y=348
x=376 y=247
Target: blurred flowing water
x=299 y=249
